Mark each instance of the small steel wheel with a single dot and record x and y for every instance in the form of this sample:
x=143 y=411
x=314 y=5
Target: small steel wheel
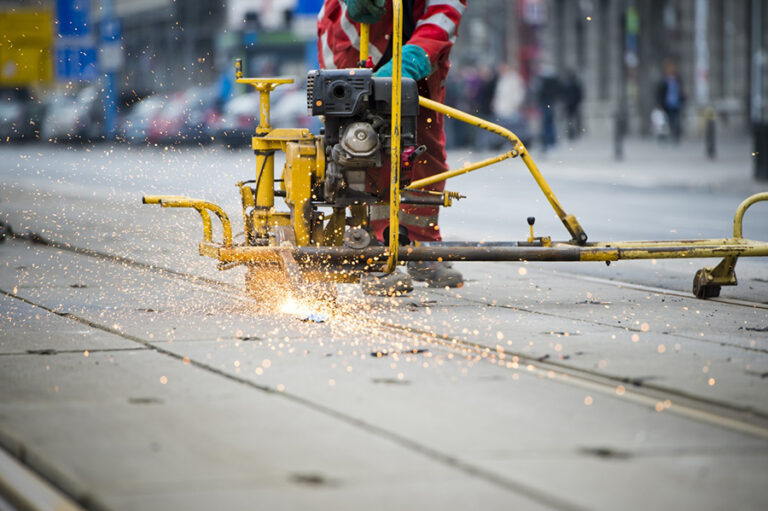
x=701 y=286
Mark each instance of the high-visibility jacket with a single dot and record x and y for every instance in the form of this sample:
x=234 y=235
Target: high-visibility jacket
x=435 y=25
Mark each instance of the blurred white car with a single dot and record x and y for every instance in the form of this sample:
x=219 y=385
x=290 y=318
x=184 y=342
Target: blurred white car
x=136 y=122
x=240 y=115
x=78 y=117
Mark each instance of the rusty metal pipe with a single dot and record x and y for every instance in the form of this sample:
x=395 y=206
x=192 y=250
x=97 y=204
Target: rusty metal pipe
x=340 y=254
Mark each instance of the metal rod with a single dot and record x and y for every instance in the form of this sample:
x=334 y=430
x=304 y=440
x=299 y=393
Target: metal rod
x=742 y=208
x=365 y=31
x=394 y=154
x=569 y=221
x=522 y=253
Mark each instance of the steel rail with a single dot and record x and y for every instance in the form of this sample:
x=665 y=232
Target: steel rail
x=614 y=386
x=650 y=395
x=406 y=442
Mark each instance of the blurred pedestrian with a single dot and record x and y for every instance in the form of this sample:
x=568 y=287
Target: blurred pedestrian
x=659 y=126
x=548 y=91
x=454 y=129
x=484 y=108
x=670 y=97
x=573 y=93
x=508 y=100
x=429 y=29
x=472 y=84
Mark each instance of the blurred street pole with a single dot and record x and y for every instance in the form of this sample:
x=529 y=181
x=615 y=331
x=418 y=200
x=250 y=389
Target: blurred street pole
x=110 y=61
x=756 y=45
x=620 y=120
x=701 y=49
x=759 y=124
x=701 y=81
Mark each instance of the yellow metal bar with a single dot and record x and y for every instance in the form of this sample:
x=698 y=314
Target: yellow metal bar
x=365 y=38
x=261 y=84
x=739 y=216
x=202 y=207
x=264 y=110
x=264 y=86
x=394 y=154
x=421 y=183
x=569 y=221
x=706 y=242
x=731 y=248
x=265 y=179
x=474 y=121
x=534 y=170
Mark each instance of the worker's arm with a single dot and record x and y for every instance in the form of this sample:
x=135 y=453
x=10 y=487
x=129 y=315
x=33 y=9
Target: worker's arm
x=432 y=39
x=366 y=11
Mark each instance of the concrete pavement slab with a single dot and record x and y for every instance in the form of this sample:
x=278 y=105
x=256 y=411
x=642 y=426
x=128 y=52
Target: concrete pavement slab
x=679 y=359
x=26 y=329
x=179 y=431
x=268 y=411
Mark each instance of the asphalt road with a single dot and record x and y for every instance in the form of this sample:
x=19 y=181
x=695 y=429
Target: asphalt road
x=133 y=375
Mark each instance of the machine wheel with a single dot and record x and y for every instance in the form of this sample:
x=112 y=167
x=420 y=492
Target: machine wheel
x=702 y=288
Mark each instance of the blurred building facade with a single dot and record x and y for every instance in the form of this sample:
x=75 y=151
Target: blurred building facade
x=169 y=44
x=618 y=48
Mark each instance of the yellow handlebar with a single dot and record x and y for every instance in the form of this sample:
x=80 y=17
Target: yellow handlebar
x=365 y=41
x=394 y=154
x=202 y=207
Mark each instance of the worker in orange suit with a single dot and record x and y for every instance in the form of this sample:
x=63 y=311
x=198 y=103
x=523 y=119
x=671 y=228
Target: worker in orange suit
x=429 y=31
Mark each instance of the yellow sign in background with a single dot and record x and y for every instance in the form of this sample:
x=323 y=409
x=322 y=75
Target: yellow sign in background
x=26 y=46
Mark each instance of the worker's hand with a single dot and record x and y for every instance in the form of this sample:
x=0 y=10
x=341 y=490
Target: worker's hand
x=366 y=11
x=416 y=63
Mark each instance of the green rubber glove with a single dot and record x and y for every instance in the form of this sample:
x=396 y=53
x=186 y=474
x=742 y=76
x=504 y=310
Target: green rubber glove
x=416 y=64
x=366 y=11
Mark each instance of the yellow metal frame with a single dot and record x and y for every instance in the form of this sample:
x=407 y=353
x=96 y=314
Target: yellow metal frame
x=394 y=153
x=518 y=149
x=318 y=251
x=202 y=207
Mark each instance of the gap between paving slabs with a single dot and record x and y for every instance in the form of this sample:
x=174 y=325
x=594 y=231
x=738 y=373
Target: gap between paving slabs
x=445 y=459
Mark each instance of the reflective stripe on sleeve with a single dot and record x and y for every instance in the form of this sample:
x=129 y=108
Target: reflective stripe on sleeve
x=349 y=28
x=453 y=4
x=439 y=20
x=327 y=52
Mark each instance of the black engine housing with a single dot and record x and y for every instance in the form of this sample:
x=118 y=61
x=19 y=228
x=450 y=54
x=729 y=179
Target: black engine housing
x=352 y=95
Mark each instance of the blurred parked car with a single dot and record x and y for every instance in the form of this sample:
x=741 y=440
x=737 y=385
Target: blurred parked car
x=20 y=115
x=135 y=124
x=183 y=118
x=238 y=120
x=291 y=110
x=240 y=115
x=78 y=117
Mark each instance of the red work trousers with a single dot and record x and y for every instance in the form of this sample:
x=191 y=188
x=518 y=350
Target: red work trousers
x=421 y=221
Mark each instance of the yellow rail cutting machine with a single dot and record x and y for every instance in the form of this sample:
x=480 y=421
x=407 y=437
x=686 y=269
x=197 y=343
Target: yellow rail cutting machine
x=365 y=119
